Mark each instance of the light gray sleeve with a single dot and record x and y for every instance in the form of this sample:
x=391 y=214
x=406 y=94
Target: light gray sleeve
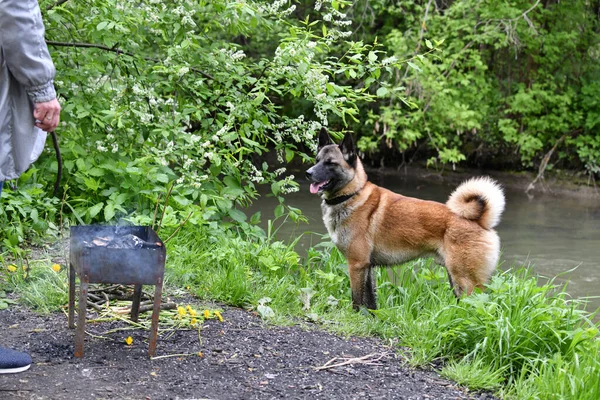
x=24 y=49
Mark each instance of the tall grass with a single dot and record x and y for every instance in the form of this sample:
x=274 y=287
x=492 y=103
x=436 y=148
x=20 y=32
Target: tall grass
x=521 y=338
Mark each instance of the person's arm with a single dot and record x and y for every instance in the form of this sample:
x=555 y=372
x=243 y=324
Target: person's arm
x=27 y=57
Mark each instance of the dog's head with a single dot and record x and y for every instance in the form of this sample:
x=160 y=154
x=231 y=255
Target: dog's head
x=335 y=165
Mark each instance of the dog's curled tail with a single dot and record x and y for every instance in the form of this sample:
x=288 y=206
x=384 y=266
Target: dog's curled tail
x=478 y=199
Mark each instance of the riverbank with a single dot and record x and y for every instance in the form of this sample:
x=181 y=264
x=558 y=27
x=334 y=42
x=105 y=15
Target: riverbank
x=518 y=339
x=569 y=184
x=241 y=357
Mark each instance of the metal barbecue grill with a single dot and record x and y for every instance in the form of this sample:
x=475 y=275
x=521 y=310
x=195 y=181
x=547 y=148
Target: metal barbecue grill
x=128 y=255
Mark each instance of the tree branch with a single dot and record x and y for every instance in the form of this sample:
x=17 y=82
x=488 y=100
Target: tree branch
x=118 y=51
x=546 y=160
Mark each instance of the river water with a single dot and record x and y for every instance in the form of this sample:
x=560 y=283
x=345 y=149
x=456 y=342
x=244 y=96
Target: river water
x=553 y=235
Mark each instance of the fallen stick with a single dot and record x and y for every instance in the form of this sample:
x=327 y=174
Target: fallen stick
x=94 y=305
x=366 y=360
x=146 y=308
x=163 y=306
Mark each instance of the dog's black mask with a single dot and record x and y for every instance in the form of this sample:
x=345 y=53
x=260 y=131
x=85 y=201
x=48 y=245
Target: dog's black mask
x=334 y=166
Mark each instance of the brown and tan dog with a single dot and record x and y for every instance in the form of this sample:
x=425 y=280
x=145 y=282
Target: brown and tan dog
x=373 y=226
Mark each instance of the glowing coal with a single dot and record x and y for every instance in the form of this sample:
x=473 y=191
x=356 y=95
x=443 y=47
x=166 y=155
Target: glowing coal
x=128 y=241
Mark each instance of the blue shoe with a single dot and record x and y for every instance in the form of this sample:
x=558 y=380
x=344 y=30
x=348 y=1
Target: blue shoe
x=12 y=361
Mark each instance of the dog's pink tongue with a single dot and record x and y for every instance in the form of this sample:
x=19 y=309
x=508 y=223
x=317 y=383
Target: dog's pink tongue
x=314 y=187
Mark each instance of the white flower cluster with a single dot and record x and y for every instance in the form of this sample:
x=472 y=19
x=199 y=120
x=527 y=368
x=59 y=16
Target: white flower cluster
x=337 y=19
x=185 y=14
x=182 y=71
x=389 y=60
x=320 y=3
x=287 y=185
x=226 y=56
x=275 y=8
x=100 y=146
x=294 y=51
x=297 y=129
x=335 y=34
x=256 y=176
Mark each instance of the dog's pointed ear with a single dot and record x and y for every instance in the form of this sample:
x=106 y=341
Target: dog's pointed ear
x=324 y=139
x=348 y=149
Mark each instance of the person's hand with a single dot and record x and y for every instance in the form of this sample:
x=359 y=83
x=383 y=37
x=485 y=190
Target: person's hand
x=47 y=115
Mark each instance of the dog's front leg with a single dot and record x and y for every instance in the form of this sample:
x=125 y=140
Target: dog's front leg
x=362 y=284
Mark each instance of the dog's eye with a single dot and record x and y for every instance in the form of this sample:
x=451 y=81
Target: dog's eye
x=329 y=162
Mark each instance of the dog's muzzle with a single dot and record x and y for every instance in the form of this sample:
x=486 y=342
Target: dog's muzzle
x=309 y=174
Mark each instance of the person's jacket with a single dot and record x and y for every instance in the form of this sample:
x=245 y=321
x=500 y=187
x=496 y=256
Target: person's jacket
x=26 y=77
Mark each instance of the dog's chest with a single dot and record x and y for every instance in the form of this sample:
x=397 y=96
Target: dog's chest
x=334 y=218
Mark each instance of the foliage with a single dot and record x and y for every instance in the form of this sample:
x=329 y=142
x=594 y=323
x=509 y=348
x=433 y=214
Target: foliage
x=220 y=96
x=197 y=93
x=513 y=77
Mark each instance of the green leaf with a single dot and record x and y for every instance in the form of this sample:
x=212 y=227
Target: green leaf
x=232 y=182
x=414 y=66
x=382 y=91
x=255 y=218
x=102 y=25
x=237 y=215
x=109 y=212
x=93 y=211
x=289 y=155
x=91 y=184
x=428 y=44
x=203 y=200
x=162 y=178
x=279 y=211
x=97 y=172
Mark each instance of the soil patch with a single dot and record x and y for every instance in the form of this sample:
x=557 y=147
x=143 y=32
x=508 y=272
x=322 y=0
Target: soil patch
x=242 y=358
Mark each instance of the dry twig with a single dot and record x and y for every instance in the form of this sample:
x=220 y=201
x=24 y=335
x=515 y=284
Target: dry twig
x=369 y=359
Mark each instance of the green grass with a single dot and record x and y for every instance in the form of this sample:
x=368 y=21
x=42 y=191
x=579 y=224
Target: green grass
x=38 y=286
x=520 y=338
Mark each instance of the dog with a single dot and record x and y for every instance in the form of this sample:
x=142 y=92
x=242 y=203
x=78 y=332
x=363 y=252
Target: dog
x=373 y=226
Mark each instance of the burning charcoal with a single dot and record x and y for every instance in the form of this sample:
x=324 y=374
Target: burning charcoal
x=126 y=242
x=102 y=241
x=131 y=242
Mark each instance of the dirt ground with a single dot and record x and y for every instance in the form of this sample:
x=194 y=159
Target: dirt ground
x=242 y=358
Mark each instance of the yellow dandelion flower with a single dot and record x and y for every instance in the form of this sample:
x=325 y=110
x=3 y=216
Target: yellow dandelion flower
x=192 y=312
x=194 y=321
x=55 y=267
x=219 y=316
x=206 y=314
x=181 y=311
x=129 y=340
x=11 y=268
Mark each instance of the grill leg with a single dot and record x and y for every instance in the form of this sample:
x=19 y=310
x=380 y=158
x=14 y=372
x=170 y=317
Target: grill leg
x=155 y=315
x=80 y=332
x=135 y=305
x=71 y=296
